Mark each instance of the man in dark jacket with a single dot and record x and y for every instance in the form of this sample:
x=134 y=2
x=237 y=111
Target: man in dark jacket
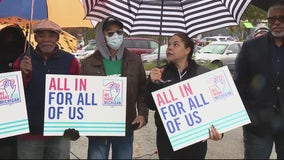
x=259 y=78
x=47 y=58
x=112 y=59
x=12 y=44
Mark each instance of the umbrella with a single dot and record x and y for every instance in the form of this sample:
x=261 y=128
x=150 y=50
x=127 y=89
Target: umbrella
x=166 y=17
x=55 y=10
x=66 y=13
x=66 y=42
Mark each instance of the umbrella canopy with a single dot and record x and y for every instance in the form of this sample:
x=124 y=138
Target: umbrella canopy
x=66 y=13
x=66 y=42
x=166 y=17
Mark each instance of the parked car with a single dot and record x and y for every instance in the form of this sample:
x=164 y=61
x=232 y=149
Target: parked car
x=85 y=51
x=206 y=40
x=219 y=54
x=218 y=38
x=139 y=45
x=153 y=56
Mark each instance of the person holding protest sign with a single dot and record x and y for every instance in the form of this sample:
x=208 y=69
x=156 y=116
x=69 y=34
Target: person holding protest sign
x=12 y=44
x=112 y=59
x=181 y=67
x=47 y=58
x=259 y=78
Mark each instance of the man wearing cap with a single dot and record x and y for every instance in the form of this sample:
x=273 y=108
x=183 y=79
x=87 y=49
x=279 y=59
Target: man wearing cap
x=47 y=58
x=112 y=59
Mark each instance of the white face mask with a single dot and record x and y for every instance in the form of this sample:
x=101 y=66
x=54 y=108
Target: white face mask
x=114 y=41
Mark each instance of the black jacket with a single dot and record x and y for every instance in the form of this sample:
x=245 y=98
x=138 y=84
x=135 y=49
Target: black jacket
x=261 y=93
x=170 y=74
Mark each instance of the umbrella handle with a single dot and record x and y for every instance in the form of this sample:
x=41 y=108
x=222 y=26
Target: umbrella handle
x=30 y=29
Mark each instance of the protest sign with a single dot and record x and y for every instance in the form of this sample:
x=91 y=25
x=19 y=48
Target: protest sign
x=93 y=105
x=189 y=108
x=13 y=113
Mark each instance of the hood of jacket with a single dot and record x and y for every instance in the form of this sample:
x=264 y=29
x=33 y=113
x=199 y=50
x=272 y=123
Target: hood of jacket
x=102 y=45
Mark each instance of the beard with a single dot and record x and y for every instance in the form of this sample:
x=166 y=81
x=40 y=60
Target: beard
x=279 y=35
x=47 y=47
x=276 y=32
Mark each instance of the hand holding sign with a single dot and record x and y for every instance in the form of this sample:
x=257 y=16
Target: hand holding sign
x=71 y=134
x=214 y=134
x=156 y=75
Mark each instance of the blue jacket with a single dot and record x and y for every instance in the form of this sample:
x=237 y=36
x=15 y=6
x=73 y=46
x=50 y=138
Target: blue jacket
x=60 y=63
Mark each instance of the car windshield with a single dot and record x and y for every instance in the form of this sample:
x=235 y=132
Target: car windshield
x=213 y=49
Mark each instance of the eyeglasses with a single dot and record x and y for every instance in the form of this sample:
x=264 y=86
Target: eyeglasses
x=272 y=20
x=119 y=32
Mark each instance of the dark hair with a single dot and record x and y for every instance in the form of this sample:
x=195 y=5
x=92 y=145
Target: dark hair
x=188 y=42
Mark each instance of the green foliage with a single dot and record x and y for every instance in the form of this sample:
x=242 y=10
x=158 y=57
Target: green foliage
x=209 y=65
x=254 y=15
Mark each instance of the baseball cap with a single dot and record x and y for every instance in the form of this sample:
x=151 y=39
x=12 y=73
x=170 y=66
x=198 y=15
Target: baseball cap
x=48 y=25
x=111 y=20
x=260 y=28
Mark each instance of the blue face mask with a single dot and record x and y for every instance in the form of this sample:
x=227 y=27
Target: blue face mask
x=114 y=41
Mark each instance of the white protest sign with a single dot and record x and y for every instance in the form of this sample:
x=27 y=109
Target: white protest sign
x=189 y=108
x=93 y=105
x=13 y=113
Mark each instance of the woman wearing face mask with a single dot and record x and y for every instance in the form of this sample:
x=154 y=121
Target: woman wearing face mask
x=112 y=59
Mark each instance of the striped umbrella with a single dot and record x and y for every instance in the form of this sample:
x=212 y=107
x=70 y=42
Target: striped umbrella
x=166 y=17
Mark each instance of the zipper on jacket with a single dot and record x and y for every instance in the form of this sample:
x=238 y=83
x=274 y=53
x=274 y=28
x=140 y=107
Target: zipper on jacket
x=181 y=75
x=44 y=64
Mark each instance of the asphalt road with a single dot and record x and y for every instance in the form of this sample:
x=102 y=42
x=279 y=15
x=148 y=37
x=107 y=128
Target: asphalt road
x=230 y=147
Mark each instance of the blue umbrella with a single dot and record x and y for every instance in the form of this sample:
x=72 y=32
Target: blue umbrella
x=55 y=10
x=66 y=13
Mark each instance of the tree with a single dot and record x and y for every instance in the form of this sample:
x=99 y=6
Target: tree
x=254 y=14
